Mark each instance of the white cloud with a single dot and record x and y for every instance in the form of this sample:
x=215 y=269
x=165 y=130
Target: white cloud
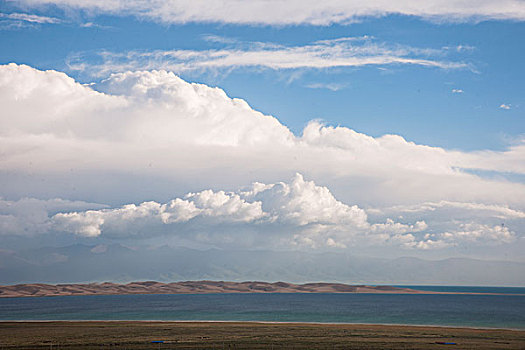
x=458 y=223
x=339 y=52
x=297 y=204
x=294 y=12
x=16 y=21
x=466 y=234
x=485 y=233
x=398 y=228
x=295 y=214
x=304 y=203
x=428 y=244
x=457 y=91
x=497 y=211
x=299 y=213
x=30 y=216
x=460 y=220
x=330 y=242
x=195 y=134
x=512 y=160
x=31 y=18
x=329 y=86
x=505 y=106
x=476 y=233
x=498 y=233
x=462 y=48
x=99 y=249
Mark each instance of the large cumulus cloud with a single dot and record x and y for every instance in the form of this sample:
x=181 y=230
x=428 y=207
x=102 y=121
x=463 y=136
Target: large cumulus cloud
x=295 y=212
x=154 y=125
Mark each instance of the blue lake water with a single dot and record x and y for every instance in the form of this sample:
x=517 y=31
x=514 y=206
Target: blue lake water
x=497 y=311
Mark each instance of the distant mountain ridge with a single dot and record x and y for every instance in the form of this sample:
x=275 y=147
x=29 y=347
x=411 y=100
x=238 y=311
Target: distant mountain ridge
x=85 y=264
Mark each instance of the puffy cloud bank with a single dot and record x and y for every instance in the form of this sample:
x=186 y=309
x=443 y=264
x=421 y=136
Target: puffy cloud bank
x=155 y=122
x=31 y=216
x=155 y=125
x=281 y=215
x=294 y=12
x=298 y=212
x=134 y=119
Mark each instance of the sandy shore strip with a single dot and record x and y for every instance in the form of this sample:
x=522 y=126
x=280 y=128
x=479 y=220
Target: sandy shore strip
x=203 y=287
x=247 y=335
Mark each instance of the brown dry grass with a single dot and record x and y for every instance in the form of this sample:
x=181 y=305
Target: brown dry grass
x=243 y=335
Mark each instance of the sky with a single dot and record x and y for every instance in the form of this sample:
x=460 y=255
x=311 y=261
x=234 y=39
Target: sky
x=375 y=128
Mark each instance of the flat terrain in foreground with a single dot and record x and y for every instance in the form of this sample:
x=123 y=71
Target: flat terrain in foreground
x=247 y=335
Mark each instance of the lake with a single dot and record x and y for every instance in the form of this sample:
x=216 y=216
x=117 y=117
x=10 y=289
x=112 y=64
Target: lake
x=494 y=311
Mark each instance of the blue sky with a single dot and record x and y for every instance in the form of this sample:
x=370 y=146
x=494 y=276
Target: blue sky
x=388 y=129
x=413 y=101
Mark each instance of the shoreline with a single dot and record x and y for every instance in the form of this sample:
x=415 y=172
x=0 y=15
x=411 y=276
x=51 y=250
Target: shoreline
x=418 y=292
x=215 y=287
x=408 y=325
x=406 y=291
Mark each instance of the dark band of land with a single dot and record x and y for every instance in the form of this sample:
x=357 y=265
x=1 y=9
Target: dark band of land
x=247 y=335
x=196 y=287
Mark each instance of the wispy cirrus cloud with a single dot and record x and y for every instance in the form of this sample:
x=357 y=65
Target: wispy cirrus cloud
x=498 y=211
x=329 y=86
x=324 y=54
x=18 y=20
x=295 y=12
x=24 y=20
x=31 y=18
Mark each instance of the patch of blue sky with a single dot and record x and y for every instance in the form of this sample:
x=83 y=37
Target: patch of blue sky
x=497 y=175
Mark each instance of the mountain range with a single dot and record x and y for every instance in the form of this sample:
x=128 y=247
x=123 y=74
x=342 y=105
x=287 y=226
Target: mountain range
x=115 y=263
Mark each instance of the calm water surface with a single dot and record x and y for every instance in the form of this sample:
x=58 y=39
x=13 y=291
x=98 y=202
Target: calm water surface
x=505 y=311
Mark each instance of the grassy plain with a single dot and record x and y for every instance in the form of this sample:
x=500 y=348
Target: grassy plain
x=247 y=335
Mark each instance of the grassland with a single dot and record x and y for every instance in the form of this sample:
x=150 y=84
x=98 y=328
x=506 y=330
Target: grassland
x=245 y=335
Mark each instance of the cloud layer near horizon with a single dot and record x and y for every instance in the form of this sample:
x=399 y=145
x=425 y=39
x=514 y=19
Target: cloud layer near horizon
x=158 y=125
x=298 y=214
x=294 y=12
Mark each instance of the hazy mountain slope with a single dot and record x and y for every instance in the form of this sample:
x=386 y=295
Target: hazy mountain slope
x=80 y=263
